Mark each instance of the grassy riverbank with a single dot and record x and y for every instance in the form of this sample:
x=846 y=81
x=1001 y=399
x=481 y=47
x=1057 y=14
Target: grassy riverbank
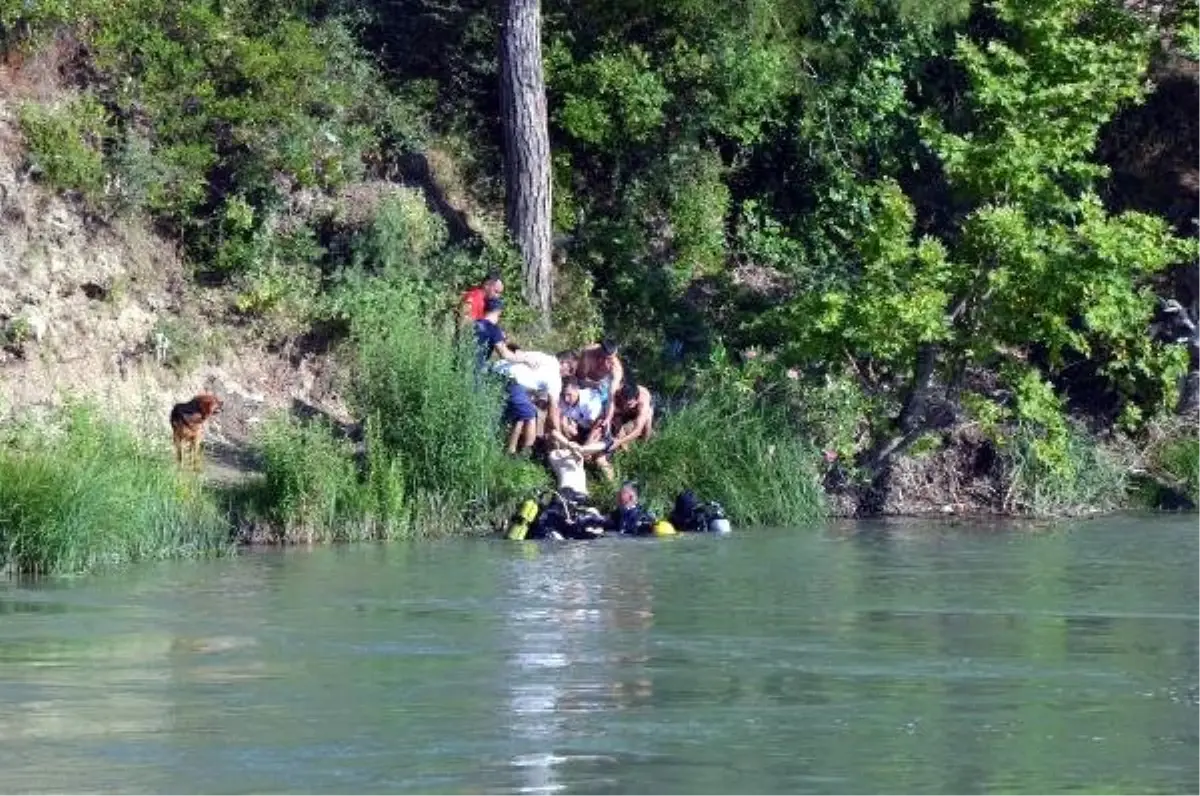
x=79 y=492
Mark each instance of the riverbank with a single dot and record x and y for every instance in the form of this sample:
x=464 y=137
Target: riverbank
x=81 y=492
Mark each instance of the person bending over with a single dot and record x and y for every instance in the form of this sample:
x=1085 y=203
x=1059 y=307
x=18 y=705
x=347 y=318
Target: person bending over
x=634 y=415
x=491 y=339
x=539 y=373
x=634 y=419
x=581 y=408
x=471 y=306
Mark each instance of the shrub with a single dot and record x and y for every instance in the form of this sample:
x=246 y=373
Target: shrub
x=403 y=237
x=727 y=446
x=311 y=489
x=1081 y=477
x=66 y=143
x=83 y=493
x=437 y=420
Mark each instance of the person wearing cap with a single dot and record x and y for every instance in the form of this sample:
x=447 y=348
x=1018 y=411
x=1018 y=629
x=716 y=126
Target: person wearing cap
x=600 y=369
x=472 y=307
x=490 y=338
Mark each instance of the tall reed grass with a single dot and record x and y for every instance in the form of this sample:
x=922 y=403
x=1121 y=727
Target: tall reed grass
x=728 y=447
x=433 y=459
x=80 y=493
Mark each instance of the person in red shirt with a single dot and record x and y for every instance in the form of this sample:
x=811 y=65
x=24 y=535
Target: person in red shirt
x=474 y=299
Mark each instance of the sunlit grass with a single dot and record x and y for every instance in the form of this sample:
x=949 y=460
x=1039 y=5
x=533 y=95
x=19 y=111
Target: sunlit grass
x=81 y=493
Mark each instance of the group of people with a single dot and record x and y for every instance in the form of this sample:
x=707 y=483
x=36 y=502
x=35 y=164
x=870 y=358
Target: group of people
x=574 y=407
x=568 y=516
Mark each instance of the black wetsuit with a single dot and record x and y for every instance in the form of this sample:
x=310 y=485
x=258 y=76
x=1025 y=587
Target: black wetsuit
x=632 y=521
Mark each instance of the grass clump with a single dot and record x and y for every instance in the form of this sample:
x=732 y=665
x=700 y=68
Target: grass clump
x=729 y=447
x=83 y=493
x=437 y=423
x=66 y=143
x=1082 y=477
x=317 y=488
x=432 y=459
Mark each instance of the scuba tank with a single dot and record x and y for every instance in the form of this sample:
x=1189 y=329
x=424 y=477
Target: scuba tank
x=692 y=516
x=518 y=525
x=717 y=522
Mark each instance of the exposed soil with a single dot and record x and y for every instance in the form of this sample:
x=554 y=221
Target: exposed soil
x=104 y=311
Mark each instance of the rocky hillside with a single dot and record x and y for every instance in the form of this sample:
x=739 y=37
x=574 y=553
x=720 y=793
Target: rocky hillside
x=105 y=311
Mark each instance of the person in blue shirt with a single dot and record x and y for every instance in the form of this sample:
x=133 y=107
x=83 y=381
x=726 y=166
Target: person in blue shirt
x=490 y=338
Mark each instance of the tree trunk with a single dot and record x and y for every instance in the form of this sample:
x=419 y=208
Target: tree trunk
x=526 y=148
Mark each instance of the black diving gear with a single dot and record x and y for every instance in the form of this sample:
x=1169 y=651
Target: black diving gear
x=691 y=516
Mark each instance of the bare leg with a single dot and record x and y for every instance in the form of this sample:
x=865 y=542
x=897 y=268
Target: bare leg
x=531 y=428
x=604 y=465
x=515 y=435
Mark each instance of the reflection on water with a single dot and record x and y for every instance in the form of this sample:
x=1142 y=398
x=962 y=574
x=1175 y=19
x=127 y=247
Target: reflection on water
x=859 y=658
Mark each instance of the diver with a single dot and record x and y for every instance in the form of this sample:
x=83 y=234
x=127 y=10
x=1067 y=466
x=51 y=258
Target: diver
x=631 y=519
x=691 y=516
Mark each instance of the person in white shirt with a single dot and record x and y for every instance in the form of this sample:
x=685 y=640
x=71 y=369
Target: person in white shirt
x=538 y=374
x=581 y=408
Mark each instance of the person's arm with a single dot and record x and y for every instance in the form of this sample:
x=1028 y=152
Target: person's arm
x=504 y=352
x=465 y=316
x=598 y=446
x=618 y=378
x=554 y=419
x=618 y=375
x=640 y=423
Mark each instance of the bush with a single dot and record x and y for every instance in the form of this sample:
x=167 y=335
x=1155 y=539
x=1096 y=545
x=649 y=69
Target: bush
x=312 y=490
x=1082 y=477
x=403 y=238
x=83 y=494
x=437 y=420
x=66 y=143
x=434 y=459
x=728 y=447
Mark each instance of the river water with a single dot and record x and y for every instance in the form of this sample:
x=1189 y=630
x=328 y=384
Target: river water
x=899 y=657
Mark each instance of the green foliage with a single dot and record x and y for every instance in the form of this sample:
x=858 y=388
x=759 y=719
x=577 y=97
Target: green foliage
x=832 y=410
x=403 y=238
x=435 y=417
x=179 y=344
x=612 y=98
x=312 y=489
x=729 y=446
x=1179 y=460
x=82 y=493
x=66 y=143
x=209 y=115
x=1013 y=255
x=1064 y=472
x=279 y=278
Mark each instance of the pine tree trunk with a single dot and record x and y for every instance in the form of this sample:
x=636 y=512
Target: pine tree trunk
x=526 y=148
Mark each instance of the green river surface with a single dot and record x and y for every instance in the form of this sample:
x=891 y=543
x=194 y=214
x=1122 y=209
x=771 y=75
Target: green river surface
x=890 y=657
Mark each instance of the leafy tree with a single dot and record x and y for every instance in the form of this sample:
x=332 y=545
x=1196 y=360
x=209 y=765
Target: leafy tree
x=1031 y=272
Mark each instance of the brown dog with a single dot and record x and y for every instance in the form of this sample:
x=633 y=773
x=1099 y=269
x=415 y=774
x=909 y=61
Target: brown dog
x=187 y=424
